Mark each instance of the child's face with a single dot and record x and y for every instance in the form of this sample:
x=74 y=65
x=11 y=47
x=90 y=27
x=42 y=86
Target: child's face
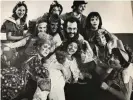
x=42 y=27
x=101 y=40
x=94 y=22
x=44 y=50
x=72 y=48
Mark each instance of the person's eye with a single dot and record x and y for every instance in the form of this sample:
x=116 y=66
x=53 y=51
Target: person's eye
x=92 y=19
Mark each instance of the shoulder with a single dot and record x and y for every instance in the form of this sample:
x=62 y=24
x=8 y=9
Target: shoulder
x=66 y=15
x=9 y=22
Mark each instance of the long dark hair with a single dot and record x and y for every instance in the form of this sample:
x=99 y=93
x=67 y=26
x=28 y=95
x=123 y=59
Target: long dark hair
x=90 y=15
x=19 y=4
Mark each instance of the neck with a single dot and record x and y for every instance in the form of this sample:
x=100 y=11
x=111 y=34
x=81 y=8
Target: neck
x=18 y=21
x=96 y=28
x=69 y=56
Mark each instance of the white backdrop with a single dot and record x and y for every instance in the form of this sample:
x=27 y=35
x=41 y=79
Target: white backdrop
x=116 y=15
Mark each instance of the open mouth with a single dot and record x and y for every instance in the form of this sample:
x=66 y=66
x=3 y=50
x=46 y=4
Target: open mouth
x=71 y=34
x=95 y=24
x=21 y=15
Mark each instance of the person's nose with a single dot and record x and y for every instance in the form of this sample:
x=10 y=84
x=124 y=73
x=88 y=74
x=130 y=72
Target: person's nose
x=72 y=31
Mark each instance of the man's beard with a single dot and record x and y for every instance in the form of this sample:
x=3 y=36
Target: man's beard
x=71 y=35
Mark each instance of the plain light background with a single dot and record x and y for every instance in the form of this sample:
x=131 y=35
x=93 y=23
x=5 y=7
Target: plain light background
x=116 y=15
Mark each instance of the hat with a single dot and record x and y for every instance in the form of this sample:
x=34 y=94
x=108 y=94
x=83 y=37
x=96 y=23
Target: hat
x=77 y=3
x=121 y=53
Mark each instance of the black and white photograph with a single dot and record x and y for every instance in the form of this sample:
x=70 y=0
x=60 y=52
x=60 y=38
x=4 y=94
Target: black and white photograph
x=66 y=50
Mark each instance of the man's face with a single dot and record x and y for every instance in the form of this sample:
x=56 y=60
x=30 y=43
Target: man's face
x=81 y=8
x=42 y=27
x=53 y=27
x=72 y=29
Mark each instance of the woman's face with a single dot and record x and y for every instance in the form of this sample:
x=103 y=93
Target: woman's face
x=44 y=50
x=56 y=10
x=20 y=11
x=101 y=40
x=42 y=27
x=72 y=48
x=94 y=22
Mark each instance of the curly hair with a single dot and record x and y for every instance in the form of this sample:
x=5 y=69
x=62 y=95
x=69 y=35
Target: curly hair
x=88 y=19
x=47 y=40
x=66 y=43
x=53 y=5
x=19 y=4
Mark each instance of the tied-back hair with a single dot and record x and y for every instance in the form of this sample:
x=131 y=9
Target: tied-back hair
x=19 y=4
x=90 y=15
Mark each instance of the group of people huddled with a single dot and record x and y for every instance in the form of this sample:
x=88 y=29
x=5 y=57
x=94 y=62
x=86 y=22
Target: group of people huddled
x=63 y=57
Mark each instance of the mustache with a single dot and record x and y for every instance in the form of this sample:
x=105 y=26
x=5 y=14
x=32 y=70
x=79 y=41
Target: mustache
x=72 y=33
